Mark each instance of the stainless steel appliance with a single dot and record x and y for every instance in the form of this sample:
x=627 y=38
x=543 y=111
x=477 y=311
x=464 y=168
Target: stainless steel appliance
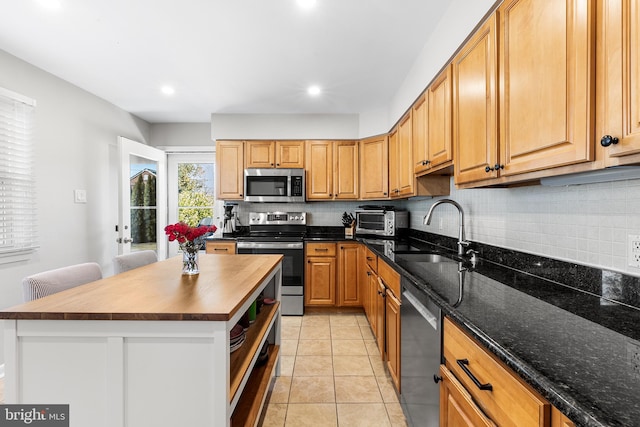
x=280 y=233
x=380 y=220
x=421 y=355
x=274 y=185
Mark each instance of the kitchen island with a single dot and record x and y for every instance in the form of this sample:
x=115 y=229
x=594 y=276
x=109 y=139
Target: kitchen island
x=149 y=346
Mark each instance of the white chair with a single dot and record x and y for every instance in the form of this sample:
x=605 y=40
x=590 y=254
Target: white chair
x=53 y=281
x=127 y=262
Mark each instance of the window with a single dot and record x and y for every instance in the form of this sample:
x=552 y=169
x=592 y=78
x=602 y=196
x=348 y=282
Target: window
x=18 y=232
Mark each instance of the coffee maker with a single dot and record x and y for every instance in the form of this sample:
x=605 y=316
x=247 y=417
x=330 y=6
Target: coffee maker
x=229 y=225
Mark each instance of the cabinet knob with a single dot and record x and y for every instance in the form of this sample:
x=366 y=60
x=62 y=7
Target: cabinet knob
x=425 y=162
x=488 y=169
x=277 y=164
x=607 y=140
x=271 y=164
x=384 y=194
x=436 y=378
x=498 y=166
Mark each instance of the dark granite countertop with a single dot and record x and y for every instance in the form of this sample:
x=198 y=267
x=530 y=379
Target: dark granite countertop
x=567 y=330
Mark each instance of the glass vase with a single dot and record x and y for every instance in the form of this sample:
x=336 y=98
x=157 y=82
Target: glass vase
x=189 y=259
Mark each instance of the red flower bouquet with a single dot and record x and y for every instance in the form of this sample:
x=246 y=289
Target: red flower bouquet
x=184 y=233
x=190 y=240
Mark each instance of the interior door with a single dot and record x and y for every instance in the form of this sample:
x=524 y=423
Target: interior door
x=143 y=198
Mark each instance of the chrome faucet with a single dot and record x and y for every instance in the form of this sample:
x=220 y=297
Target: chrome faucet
x=461 y=241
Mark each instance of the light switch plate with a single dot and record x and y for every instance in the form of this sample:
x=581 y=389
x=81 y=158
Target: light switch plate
x=634 y=250
x=80 y=196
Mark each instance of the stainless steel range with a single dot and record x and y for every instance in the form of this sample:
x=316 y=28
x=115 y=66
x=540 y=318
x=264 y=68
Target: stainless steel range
x=280 y=233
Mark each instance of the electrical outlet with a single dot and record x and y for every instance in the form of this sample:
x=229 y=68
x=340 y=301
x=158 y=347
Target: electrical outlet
x=633 y=354
x=634 y=250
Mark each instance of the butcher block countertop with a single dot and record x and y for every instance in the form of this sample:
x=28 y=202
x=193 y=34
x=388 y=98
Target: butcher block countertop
x=158 y=291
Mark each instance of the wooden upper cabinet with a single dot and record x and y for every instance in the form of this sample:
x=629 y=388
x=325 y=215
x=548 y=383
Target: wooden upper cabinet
x=439 y=121
x=618 y=82
x=345 y=170
x=319 y=180
x=274 y=154
x=290 y=154
x=374 y=170
x=546 y=92
x=229 y=170
x=406 y=176
x=475 y=101
x=419 y=115
x=332 y=171
x=394 y=185
x=260 y=154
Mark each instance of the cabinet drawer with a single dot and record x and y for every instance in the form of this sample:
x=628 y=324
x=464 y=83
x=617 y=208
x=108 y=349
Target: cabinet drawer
x=390 y=277
x=372 y=259
x=321 y=249
x=510 y=402
x=221 y=247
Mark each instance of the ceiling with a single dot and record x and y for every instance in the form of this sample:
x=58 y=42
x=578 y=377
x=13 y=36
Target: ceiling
x=224 y=56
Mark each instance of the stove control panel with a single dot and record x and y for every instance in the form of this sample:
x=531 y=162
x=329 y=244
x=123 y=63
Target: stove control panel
x=277 y=218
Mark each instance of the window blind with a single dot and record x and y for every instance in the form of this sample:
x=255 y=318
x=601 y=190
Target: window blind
x=18 y=227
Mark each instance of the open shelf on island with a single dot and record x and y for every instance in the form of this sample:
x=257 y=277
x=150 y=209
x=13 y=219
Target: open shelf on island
x=250 y=404
x=240 y=360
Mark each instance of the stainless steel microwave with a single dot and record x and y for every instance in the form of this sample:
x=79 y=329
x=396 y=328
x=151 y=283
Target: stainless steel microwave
x=381 y=222
x=274 y=185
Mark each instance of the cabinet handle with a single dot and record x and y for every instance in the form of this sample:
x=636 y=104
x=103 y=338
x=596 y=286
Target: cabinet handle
x=321 y=249
x=607 y=140
x=436 y=378
x=463 y=364
x=221 y=249
x=369 y=258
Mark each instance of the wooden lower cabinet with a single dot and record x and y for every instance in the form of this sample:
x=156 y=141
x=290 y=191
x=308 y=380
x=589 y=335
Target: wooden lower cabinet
x=320 y=279
x=559 y=420
x=457 y=408
x=392 y=327
x=348 y=290
x=220 y=247
x=331 y=275
x=380 y=329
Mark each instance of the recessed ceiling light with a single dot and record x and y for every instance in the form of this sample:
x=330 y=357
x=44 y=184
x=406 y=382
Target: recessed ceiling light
x=314 y=90
x=306 y=4
x=50 y=4
x=168 y=90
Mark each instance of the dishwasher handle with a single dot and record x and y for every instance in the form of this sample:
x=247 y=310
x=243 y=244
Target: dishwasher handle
x=424 y=311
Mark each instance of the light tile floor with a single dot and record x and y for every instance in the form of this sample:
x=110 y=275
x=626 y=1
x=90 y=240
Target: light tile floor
x=331 y=375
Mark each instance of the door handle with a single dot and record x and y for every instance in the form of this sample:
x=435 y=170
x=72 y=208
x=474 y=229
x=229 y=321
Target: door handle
x=124 y=240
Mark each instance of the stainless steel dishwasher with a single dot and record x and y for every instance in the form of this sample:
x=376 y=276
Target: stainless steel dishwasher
x=421 y=355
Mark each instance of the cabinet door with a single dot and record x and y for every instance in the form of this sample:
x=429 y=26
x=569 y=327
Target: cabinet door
x=345 y=170
x=260 y=154
x=362 y=278
x=406 y=176
x=229 y=170
x=475 y=113
x=348 y=290
x=289 y=154
x=420 y=146
x=320 y=170
x=380 y=318
x=394 y=185
x=546 y=90
x=320 y=281
x=374 y=172
x=393 y=326
x=618 y=81
x=558 y=419
x=372 y=289
x=440 y=142
x=457 y=408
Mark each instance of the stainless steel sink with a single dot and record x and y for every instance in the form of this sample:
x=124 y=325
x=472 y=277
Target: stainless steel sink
x=424 y=257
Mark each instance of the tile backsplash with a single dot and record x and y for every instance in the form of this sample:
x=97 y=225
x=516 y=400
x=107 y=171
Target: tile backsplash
x=587 y=224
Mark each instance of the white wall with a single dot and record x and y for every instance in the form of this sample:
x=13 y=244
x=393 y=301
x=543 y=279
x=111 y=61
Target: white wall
x=75 y=148
x=180 y=134
x=284 y=126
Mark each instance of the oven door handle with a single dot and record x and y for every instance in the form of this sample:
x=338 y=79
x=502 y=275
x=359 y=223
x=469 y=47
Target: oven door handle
x=270 y=245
